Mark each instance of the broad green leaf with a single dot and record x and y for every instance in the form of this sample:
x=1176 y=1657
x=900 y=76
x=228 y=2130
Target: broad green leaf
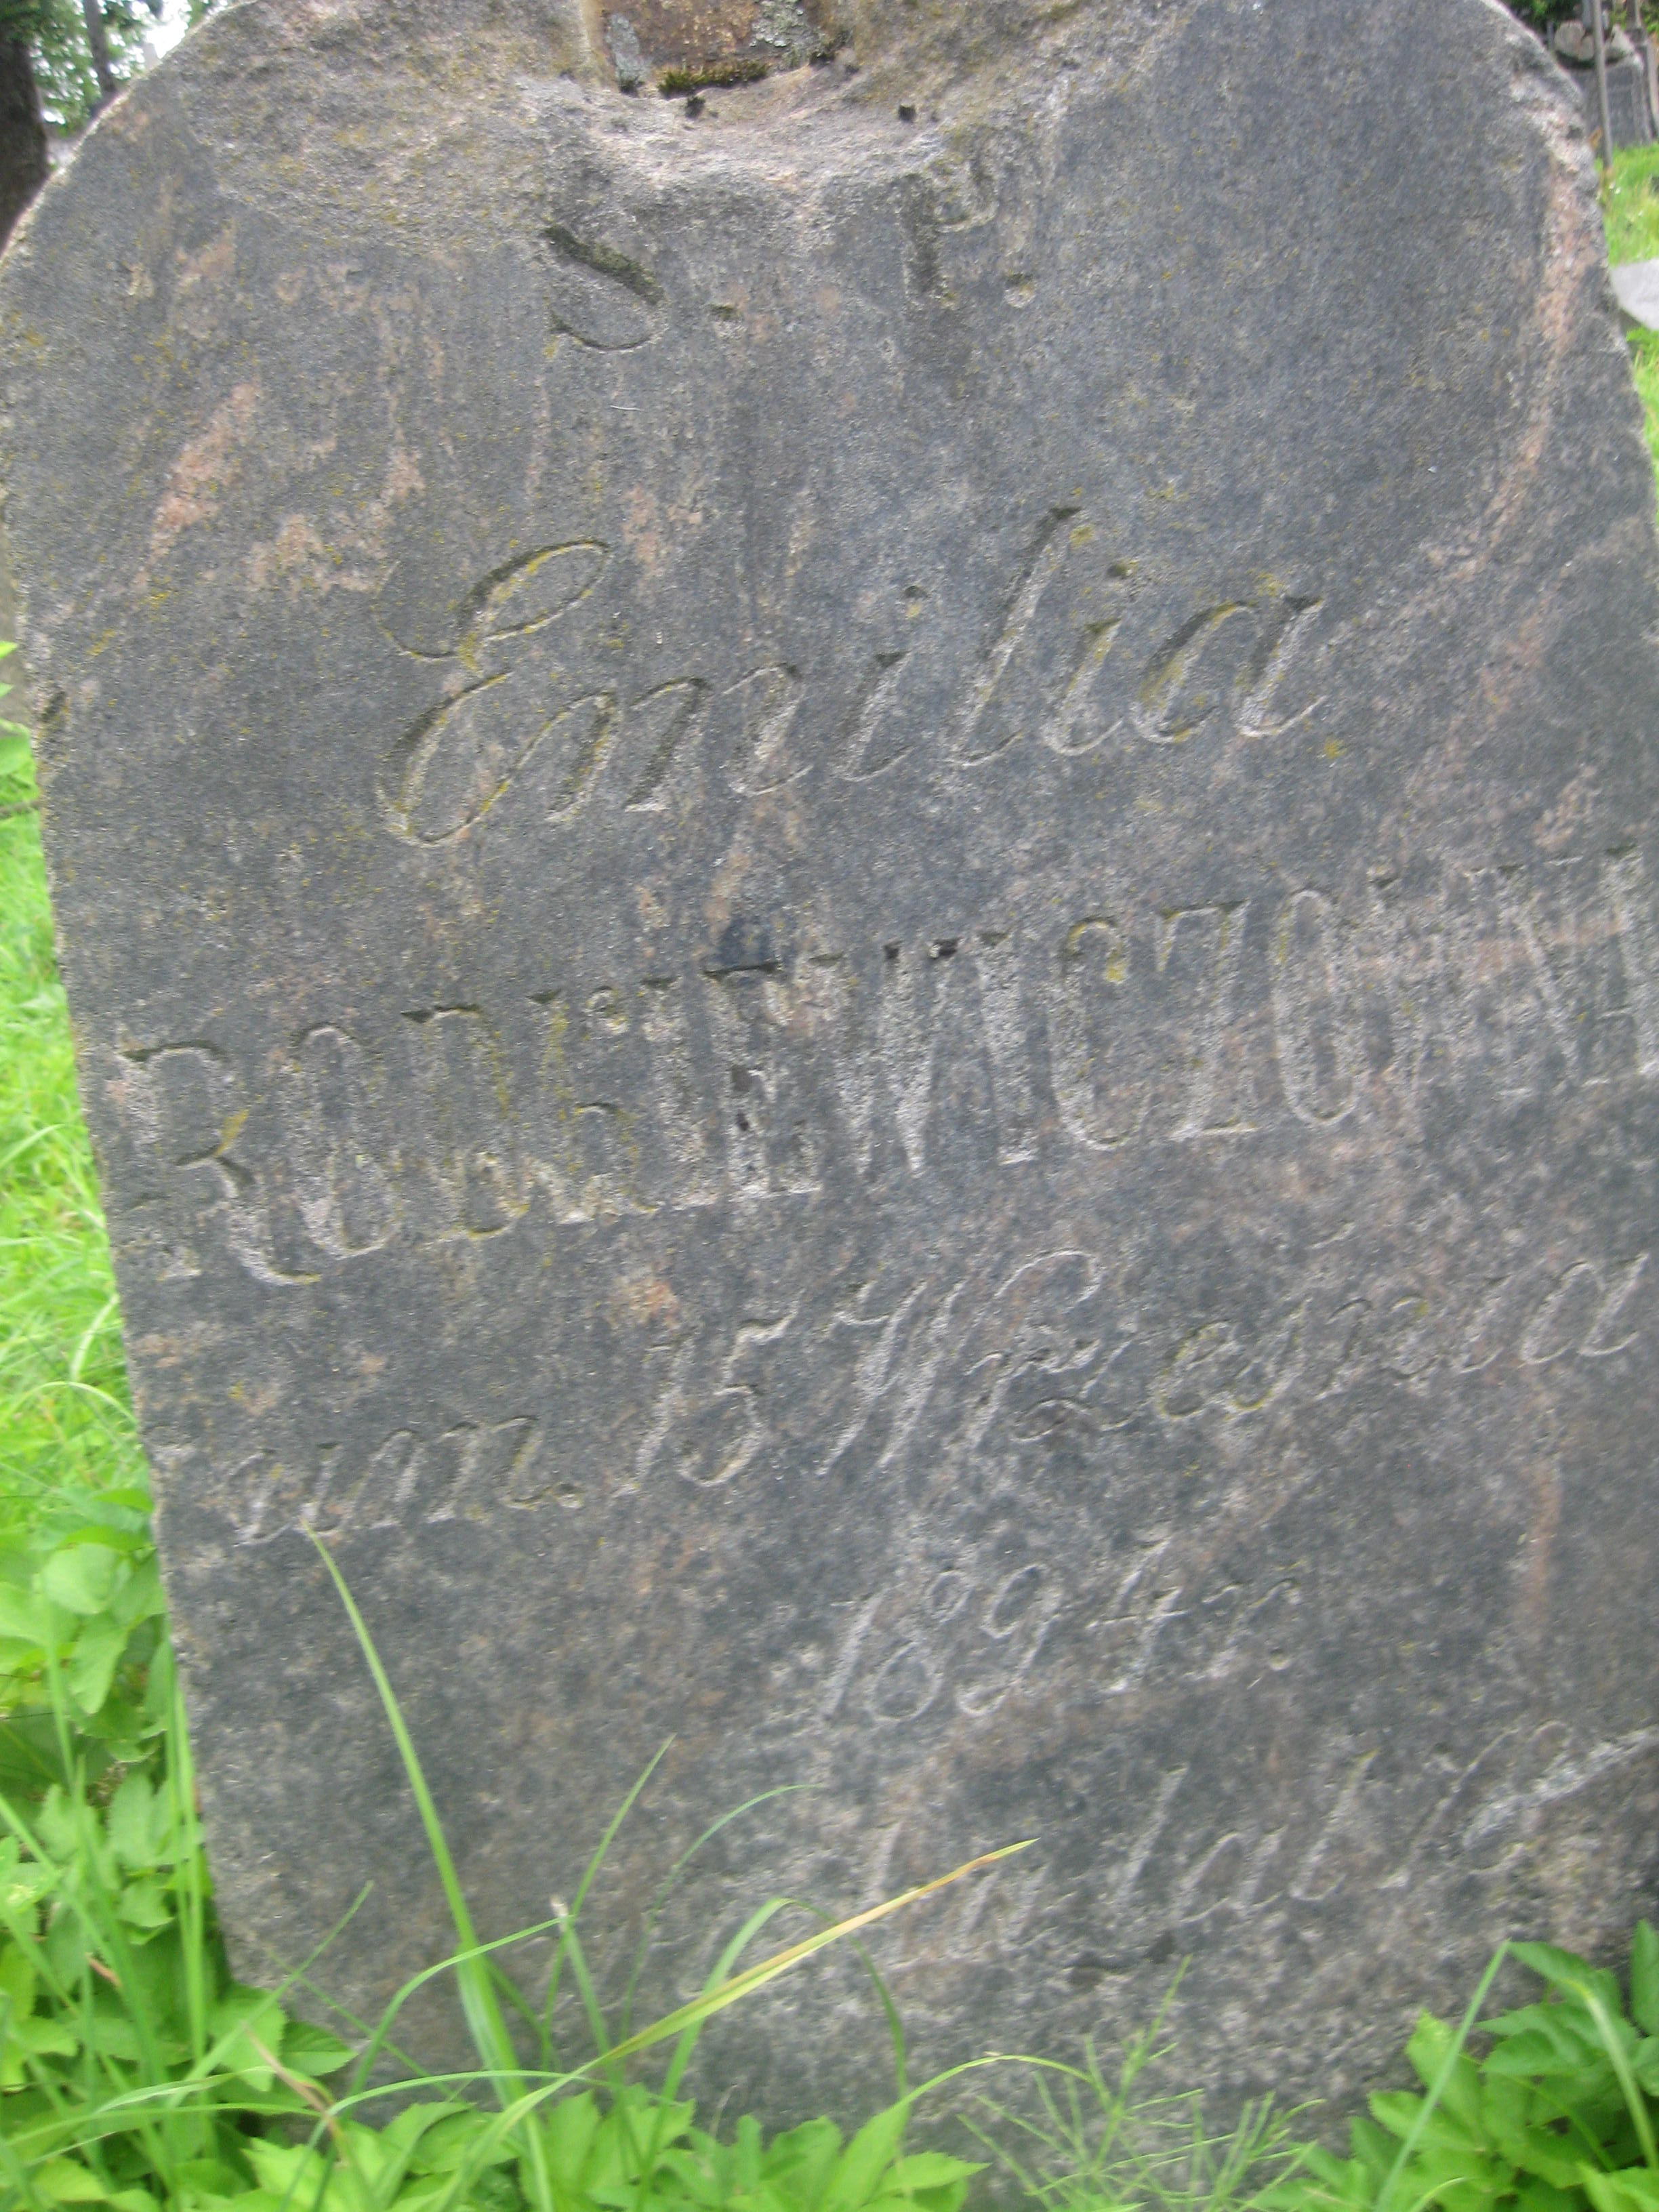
x=1535 y=2196
x=315 y=2053
x=1636 y=2190
x=93 y=1661
x=17 y=1980
x=1555 y=1965
x=140 y=1597
x=253 y=2023
x=1549 y=2158
x=863 y=2165
x=26 y=1619
x=21 y=1888
x=131 y=1823
x=129 y=1500
x=35 y=2036
x=110 y=2038
x=287 y=2170
x=65 y=2181
x=451 y=2137
x=210 y=2177
x=1396 y=2109
x=144 y=1905
x=81 y=1577
x=569 y=2133
x=809 y=2151
x=930 y=2169
x=1569 y=1973
x=1432 y=2041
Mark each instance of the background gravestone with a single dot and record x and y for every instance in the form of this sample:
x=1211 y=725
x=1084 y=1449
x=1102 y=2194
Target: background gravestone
x=864 y=924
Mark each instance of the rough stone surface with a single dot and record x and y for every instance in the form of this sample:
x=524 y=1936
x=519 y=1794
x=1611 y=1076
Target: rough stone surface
x=699 y=34
x=864 y=924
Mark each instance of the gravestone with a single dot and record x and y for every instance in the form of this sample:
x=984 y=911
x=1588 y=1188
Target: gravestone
x=1627 y=101
x=862 y=904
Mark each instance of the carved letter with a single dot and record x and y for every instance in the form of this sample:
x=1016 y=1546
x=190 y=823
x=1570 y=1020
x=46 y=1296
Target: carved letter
x=1166 y=713
x=186 y=1102
x=1101 y=1082
x=1612 y=1307
x=997 y=963
x=966 y=747
x=832 y=998
x=764 y=705
x=1073 y=730
x=858 y=735
x=1275 y=655
x=490 y=1463
x=598 y=296
x=911 y=1033
x=470 y=1153
x=457 y=760
x=1579 y=1313
x=1313 y=1012
x=682 y=1111
x=897 y=1358
x=1141 y=1849
x=657 y=737
x=341 y=1190
x=1419 y=956
x=1638 y=947
x=1341 y=1816
x=770 y=1143
x=1212 y=1073
x=589 y=1142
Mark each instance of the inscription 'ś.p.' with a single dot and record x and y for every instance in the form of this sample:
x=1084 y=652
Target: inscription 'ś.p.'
x=863 y=916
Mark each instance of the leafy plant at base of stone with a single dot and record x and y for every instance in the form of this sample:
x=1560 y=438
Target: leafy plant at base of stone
x=1557 y=2115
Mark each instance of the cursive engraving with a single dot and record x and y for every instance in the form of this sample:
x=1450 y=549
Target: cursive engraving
x=600 y=298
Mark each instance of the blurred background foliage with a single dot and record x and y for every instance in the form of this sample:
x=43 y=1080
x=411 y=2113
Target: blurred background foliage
x=55 y=32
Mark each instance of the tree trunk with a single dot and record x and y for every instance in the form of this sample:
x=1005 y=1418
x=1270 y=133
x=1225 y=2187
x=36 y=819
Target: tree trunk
x=99 y=42
x=23 y=161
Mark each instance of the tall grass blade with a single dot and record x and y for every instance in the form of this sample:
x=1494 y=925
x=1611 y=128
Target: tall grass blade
x=731 y=1992
x=483 y=2014
x=1635 y=2102
x=666 y=1888
x=569 y=1945
x=1444 y=2073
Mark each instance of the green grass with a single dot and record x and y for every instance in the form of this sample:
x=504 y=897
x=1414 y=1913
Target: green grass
x=64 y=1416
x=1629 y=207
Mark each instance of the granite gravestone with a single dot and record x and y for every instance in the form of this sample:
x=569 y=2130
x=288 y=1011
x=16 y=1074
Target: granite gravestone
x=862 y=902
